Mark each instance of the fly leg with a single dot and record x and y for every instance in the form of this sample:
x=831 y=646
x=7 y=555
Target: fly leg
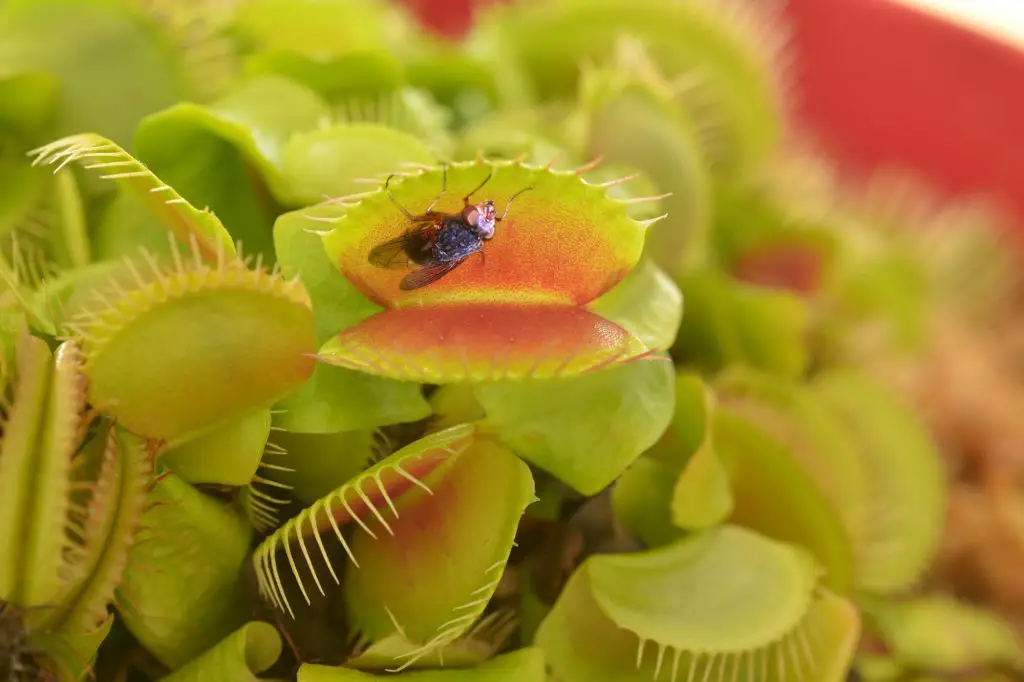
x=444 y=187
x=403 y=209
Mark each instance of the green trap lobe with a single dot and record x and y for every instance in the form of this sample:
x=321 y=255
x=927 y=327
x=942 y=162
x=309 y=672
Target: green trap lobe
x=226 y=455
x=329 y=161
x=361 y=500
x=618 y=618
x=115 y=508
x=233 y=147
x=774 y=495
x=702 y=495
x=201 y=230
x=199 y=348
x=20 y=472
x=182 y=592
x=455 y=540
x=648 y=592
x=906 y=483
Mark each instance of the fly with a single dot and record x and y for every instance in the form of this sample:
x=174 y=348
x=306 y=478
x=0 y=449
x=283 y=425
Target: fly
x=439 y=242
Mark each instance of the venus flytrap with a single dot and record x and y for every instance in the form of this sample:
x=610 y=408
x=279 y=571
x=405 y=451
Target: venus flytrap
x=617 y=617
x=245 y=130
x=181 y=591
x=80 y=515
x=738 y=50
x=425 y=480
x=465 y=332
x=632 y=116
x=537 y=466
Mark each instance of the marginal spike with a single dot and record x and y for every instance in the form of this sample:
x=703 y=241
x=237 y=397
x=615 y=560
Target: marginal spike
x=644 y=200
x=590 y=165
x=651 y=221
x=618 y=181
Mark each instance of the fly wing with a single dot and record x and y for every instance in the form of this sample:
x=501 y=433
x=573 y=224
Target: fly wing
x=409 y=248
x=428 y=274
x=392 y=253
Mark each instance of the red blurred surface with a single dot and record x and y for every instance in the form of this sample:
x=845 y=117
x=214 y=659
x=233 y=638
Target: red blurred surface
x=883 y=84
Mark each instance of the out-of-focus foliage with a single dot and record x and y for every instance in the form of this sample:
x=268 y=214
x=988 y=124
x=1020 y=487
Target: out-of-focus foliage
x=661 y=426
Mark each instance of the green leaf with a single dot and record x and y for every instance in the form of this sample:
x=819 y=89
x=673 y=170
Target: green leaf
x=647 y=303
x=127 y=225
x=694 y=405
x=709 y=607
x=480 y=643
x=24 y=193
x=641 y=499
x=320 y=463
x=362 y=73
x=226 y=455
x=339 y=399
x=245 y=130
x=27 y=102
x=330 y=161
x=524 y=665
x=240 y=657
x=939 y=634
x=702 y=495
x=550 y=422
x=69 y=243
x=316 y=27
x=476 y=506
x=406 y=109
x=462 y=83
x=730 y=322
x=71 y=654
x=337 y=303
x=97 y=52
x=182 y=590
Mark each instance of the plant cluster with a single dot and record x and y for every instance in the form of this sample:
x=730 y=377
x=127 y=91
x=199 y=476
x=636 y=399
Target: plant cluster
x=235 y=448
